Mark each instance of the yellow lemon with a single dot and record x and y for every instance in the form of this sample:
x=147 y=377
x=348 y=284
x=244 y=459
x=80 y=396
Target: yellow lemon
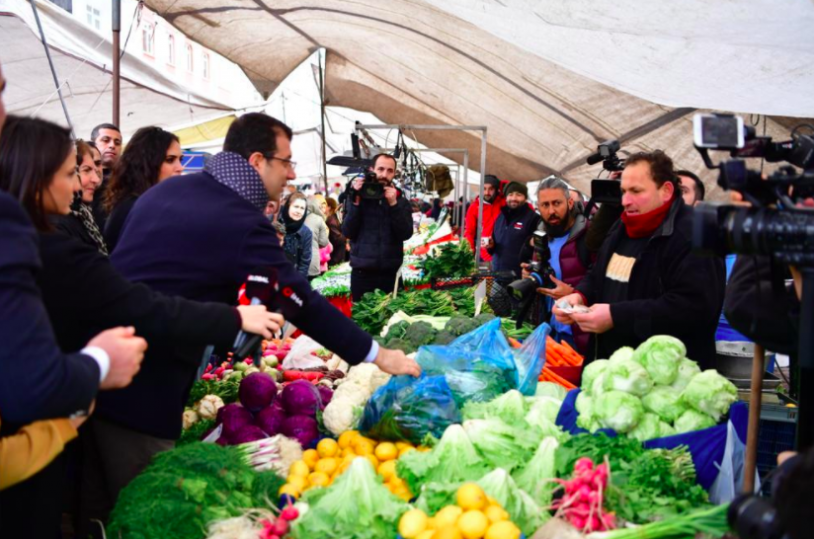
x=387 y=469
x=310 y=457
x=373 y=460
x=327 y=466
x=346 y=438
x=301 y=483
x=291 y=490
x=319 y=479
x=431 y=523
x=348 y=451
x=402 y=445
x=404 y=495
x=503 y=530
x=327 y=448
x=424 y=448
x=412 y=523
x=450 y=531
x=448 y=515
x=473 y=524
x=363 y=446
x=405 y=450
x=426 y=534
x=492 y=501
x=299 y=468
x=496 y=514
x=471 y=496
x=386 y=451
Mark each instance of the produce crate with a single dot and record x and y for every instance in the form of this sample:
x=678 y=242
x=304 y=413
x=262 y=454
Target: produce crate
x=447 y=283
x=572 y=374
x=497 y=293
x=778 y=429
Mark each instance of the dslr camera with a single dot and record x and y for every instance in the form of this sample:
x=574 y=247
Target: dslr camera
x=773 y=226
x=523 y=291
x=372 y=188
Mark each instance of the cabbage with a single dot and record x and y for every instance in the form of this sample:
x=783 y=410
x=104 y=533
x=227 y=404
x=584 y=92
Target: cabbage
x=533 y=478
x=248 y=433
x=692 y=420
x=270 y=419
x=234 y=417
x=618 y=410
x=300 y=398
x=591 y=372
x=521 y=506
x=325 y=395
x=648 y=428
x=257 y=391
x=667 y=430
x=627 y=376
x=550 y=389
x=623 y=354
x=660 y=356
x=585 y=407
x=665 y=402
x=547 y=407
x=687 y=368
x=711 y=393
x=302 y=428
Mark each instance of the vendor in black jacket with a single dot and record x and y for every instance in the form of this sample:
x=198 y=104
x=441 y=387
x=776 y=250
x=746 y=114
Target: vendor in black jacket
x=647 y=280
x=377 y=230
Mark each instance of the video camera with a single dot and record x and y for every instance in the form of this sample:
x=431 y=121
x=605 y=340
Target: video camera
x=606 y=191
x=773 y=226
x=523 y=291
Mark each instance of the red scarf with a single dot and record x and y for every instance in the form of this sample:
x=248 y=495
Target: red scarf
x=641 y=225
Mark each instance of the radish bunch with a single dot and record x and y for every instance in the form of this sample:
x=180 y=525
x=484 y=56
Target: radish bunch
x=581 y=504
x=278 y=528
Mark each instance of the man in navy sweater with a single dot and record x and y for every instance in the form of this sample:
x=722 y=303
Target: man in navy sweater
x=199 y=236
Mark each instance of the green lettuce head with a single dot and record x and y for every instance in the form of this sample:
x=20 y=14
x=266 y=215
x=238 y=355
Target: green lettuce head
x=692 y=420
x=618 y=410
x=667 y=430
x=627 y=376
x=687 y=369
x=592 y=372
x=660 y=356
x=623 y=354
x=648 y=428
x=710 y=393
x=665 y=402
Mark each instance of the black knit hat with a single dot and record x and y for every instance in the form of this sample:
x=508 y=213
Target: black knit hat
x=492 y=180
x=515 y=187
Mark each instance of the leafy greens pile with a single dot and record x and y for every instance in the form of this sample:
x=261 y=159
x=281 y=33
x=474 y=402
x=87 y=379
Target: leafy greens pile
x=454 y=260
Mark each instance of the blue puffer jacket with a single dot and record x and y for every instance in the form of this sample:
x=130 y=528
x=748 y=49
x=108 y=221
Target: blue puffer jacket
x=377 y=232
x=297 y=247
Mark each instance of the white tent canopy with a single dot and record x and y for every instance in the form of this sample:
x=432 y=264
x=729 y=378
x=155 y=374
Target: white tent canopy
x=550 y=79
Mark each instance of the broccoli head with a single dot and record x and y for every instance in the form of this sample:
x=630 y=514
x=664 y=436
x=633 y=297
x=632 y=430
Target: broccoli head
x=399 y=344
x=444 y=338
x=483 y=318
x=381 y=340
x=419 y=334
x=398 y=330
x=461 y=325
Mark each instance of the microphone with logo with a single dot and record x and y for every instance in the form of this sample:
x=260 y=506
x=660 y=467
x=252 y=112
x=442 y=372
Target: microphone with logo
x=262 y=288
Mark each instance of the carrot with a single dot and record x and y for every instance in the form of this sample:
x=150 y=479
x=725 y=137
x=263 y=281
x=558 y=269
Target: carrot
x=576 y=358
x=514 y=342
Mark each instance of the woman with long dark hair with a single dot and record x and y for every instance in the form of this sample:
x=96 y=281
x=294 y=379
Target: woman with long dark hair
x=84 y=294
x=298 y=237
x=151 y=156
x=338 y=241
x=80 y=223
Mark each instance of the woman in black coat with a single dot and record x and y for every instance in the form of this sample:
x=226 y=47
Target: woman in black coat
x=298 y=237
x=151 y=156
x=84 y=294
x=79 y=223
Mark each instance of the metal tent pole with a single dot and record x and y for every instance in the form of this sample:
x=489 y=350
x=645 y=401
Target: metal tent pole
x=51 y=65
x=322 y=118
x=117 y=28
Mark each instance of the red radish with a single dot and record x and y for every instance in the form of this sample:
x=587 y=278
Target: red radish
x=280 y=527
x=290 y=513
x=208 y=376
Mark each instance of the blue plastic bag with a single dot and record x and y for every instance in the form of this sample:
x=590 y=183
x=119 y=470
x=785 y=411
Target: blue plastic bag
x=707 y=446
x=479 y=366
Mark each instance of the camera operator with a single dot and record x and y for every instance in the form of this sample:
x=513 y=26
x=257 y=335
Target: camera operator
x=647 y=281
x=378 y=220
x=565 y=229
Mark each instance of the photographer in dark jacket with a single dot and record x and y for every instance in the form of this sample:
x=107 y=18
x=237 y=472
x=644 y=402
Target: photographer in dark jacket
x=377 y=230
x=647 y=280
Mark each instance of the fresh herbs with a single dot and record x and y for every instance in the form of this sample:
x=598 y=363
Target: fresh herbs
x=453 y=260
x=225 y=389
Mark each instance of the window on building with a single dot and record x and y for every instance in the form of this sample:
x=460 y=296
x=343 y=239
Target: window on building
x=171 y=50
x=148 y=38
x=206 y=66
x=94 y=16
x=190 y=59
x=67 y=5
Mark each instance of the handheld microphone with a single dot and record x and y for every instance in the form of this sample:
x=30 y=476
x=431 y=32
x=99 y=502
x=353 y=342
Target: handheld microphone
x=261 y=288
